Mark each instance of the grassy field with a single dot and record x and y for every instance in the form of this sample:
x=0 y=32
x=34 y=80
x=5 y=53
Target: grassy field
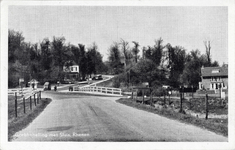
x=23 y=119
x=217 y=125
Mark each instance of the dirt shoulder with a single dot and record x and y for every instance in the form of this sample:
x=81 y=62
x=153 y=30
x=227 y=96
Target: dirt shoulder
x=23 y=120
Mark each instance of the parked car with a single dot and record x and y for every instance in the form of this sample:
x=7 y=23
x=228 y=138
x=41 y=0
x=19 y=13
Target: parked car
x=68 y=81
x=97 y=77
x=47 y=86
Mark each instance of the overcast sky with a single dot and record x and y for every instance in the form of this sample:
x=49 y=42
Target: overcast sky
x=183 y=26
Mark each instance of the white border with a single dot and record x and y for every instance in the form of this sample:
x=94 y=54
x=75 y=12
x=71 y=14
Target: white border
x=116 y=145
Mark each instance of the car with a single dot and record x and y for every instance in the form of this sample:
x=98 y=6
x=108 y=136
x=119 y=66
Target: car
x=97 y=77
x=68 y=81
x=47 y=86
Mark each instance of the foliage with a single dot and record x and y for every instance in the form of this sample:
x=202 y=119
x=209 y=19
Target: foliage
x=192 y=72
x=176 y=63
x=115 y=59
x=147 y=71
x=161 y=64
x=135 y=50
x=44 y=61
x=155 y=53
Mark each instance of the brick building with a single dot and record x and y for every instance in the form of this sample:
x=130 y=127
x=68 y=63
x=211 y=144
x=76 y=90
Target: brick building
x=214 y=78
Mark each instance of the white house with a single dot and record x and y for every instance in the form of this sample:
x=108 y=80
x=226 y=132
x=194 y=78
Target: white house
x=72 y=71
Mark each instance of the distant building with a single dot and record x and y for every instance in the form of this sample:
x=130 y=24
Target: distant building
x=71 y=70
x=214 y=78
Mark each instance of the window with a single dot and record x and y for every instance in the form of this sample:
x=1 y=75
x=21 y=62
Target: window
x=215 y=71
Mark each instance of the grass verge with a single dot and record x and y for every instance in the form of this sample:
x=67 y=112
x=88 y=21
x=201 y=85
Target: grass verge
x=19 y=123
x=214 y=125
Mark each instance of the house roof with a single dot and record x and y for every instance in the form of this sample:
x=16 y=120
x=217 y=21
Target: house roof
x=33 y=81
x=70 y=63
x=214 y=71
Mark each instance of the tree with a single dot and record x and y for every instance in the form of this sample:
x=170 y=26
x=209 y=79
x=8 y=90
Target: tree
x=155 y=53
x=82 y=60
x=115 y=58
x=46 y=54
x=176 y=63
x=61 y=54
x=135 y=50
x=94 y=60
x=208 y=53
x=76 y=53
x=192 y=70
x=125 y=51
x=15 y=41
x=147 y=71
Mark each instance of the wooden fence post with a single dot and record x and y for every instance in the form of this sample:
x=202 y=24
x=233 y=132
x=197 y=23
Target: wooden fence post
x=16 y=104
x=169 y=99
x=181 y=102
x=143 y=96
x=190 y=103
x=192 y=91
x=132 y=94
x=30 y=103
x=164 y=97
x=151 y=97
x=34 y=99
x=206 y=98
x=38 y=98
x=136 y=95
x=24 y=104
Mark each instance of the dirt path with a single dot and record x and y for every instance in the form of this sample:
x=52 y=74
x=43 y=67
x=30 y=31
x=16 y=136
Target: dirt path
x=90 y=118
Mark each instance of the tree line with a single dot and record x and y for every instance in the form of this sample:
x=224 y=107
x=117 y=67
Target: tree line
x=45 y=60
x=160 y=64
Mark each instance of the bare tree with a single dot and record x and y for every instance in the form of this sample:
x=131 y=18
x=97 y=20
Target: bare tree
x=135 y=50
x=208 y=51
x=125 y=48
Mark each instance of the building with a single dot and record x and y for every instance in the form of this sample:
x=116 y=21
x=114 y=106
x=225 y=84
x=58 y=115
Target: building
x=71 y=70
x=33 y=83
x=214 y=78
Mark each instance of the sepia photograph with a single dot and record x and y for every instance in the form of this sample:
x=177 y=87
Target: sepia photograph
x=117 y=73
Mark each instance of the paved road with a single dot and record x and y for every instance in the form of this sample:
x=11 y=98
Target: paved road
x=92 y=118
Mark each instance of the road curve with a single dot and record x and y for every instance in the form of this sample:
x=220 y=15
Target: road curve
x=71 y=117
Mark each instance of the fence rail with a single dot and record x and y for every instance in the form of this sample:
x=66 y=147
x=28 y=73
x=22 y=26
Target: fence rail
x=22 y=91
x=105 y=90
x=35 y=95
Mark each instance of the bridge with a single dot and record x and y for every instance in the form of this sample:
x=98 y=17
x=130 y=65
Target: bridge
x=97 y=90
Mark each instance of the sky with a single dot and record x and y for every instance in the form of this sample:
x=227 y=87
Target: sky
x=180 y=26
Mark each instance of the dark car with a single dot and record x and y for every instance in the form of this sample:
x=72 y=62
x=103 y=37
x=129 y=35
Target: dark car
x=97 y=77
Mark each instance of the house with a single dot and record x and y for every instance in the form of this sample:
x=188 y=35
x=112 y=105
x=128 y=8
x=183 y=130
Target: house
x=33 y=83
x=214 y=78
x=71 y=70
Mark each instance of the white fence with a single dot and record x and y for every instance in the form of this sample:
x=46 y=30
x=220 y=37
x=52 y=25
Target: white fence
x=99 y=89
x=19 y=91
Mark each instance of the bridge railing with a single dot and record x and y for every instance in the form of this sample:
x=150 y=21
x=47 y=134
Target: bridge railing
x=99 y=89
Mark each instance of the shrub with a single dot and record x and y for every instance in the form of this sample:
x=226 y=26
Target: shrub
x=116 y=82
x=146 y=92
